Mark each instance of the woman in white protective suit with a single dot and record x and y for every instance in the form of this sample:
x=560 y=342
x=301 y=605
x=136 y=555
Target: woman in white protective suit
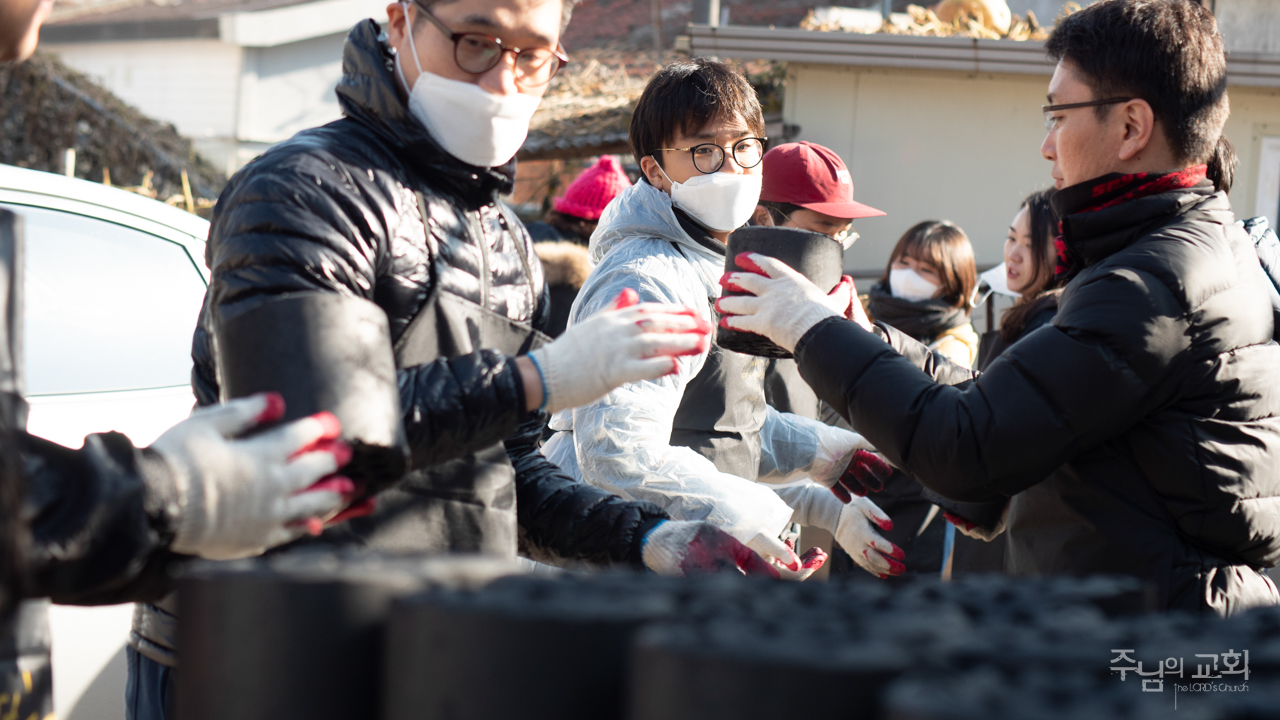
x=702 y=443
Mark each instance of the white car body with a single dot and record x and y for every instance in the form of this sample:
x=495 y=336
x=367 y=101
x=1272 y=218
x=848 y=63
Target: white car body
x=114 y=283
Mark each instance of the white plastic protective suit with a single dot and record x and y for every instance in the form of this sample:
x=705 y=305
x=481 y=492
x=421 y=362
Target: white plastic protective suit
x=621 y=443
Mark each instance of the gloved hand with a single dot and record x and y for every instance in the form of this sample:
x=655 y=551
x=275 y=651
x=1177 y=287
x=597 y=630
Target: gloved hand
x=624 y=343
x=850 y=523
x=975 y=531
x=867 y=547
x=867 y=472
x=782 y=556
x=685 y=547
x=783 y=304
x=239 y=497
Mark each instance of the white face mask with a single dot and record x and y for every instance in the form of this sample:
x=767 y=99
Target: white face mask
x=470 y=123
x=721 y=201
x=906 y=284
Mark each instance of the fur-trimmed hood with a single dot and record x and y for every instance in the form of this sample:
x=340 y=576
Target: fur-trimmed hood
x=564 y=263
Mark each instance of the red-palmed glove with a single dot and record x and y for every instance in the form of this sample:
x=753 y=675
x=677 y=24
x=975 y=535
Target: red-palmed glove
x=867 y=473
x=238 y=496
x=681 y=547
x=783 y=304
x=782 y=556
x=976 y=531
x=624 y=343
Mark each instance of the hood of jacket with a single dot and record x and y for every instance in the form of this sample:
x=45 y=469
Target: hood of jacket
x=642 y=211
x=369 y=94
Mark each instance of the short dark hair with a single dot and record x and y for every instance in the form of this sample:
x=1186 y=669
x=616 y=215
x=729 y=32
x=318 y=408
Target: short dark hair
x=566 y=11
x=684 y=97
x=943 y=245
x=1167 y=52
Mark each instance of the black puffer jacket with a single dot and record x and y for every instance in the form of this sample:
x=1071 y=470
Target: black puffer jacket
x=334 y=209
x=1139 y=433
x=100 y=520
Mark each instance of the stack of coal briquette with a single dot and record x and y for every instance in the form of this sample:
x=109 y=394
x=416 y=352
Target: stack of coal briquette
x=458 y=644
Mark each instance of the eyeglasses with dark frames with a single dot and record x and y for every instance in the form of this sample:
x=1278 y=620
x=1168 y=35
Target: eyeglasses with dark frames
x=1050 y=122
x=709 y=157
x=478 y=53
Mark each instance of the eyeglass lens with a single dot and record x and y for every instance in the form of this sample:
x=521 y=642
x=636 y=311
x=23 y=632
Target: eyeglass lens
x=709 y=157
x=478 y=54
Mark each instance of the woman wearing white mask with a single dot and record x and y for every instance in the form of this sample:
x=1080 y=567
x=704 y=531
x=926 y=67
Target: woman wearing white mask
x=695 y=442
x=927 y=290
x=926 y=293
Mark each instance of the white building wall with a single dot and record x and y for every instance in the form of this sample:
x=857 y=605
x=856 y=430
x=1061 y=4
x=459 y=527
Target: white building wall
x=190 y=83
x=965 y=147
x=926 y=145
x=288 y=88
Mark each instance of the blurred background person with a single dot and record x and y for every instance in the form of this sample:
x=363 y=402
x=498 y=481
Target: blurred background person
x=1029 y=260
x=562 y=236
x=806 y=186
x=926 y=292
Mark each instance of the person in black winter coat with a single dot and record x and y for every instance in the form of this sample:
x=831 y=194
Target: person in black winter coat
x=95 y=525
x=397 y=203
x=1029 y=262
x=1139 y=433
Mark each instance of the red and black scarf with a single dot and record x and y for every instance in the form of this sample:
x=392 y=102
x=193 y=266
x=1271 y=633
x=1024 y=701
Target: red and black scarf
x=1109 y=191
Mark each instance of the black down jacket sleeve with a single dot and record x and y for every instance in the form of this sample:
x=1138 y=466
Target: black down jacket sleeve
x=100 y=518
x=986 y=515
x=297 y=221
x=1060 y=390
x=562 y=519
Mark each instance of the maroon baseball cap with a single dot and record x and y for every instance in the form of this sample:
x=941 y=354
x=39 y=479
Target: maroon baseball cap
x=813 y=177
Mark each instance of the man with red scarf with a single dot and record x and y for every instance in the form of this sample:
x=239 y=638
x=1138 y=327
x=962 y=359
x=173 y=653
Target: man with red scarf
x=1140 y=432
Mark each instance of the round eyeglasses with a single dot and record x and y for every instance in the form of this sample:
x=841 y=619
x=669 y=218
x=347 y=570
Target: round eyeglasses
x=709 y=157
x=477 y=53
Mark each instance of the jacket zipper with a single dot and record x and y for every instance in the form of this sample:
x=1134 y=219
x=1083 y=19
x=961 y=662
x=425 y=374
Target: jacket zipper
x=483 y=240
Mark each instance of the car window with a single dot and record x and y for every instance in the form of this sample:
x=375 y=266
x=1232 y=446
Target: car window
x=107 y=307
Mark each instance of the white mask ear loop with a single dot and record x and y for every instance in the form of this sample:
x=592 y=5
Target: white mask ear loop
x=664 y=173
x=412 y=47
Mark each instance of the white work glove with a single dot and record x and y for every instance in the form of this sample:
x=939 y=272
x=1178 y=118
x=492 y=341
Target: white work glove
x=624 y=343
x=856 y=534
x=685 y=547
x=782 y=556
x=852 y=524
x=783 y=304
x=237 y=498
x=975 y=531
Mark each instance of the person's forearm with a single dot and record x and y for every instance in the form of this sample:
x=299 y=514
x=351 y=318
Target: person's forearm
x=455 y=406
x=565 y=520
x=881 y=394
x=532 y=381
x=100 y=521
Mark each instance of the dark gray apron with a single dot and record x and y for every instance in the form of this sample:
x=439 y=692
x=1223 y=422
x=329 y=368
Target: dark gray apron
x=722 y=411
x=467 y=504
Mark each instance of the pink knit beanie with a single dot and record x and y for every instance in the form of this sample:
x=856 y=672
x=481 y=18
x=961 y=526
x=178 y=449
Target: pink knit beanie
x=587 y=195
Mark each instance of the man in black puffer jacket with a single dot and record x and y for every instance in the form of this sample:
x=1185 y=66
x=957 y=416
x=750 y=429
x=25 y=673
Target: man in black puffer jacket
x=397 y=204
x=1139 y=433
